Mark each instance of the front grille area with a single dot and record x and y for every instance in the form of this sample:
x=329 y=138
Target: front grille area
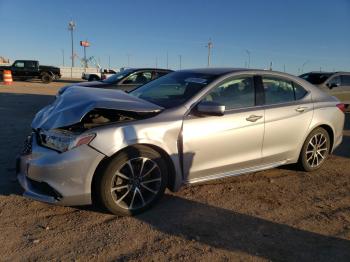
x=27 y=146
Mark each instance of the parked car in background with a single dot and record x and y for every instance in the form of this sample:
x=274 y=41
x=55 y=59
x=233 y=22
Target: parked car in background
x=30 y=69
x=106 y=73
x=126 y=80
x=336 y=82
x=123 y=149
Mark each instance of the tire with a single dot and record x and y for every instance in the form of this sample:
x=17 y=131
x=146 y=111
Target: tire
x=313 y=157
x=126 y=194
x=46 y=78
x=93 y=78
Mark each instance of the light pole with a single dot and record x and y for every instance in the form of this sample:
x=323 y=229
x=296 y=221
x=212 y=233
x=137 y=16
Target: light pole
x=180 y=58
x=210 y=46
x=302 y=67
x=71 y=28
x=62 y=56
x=248 y=53
x=167 y=60
x=128 y=59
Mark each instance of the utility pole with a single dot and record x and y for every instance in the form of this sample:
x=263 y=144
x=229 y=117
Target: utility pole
x=109 y=62
x=62 y=56
x=167 y=60
x=302 y=67
x=128 y=59
x=248 y=53
x=156 y=61
x=210 y=46
x=270 y=66
x=284 y=68
x=180 y=58
x=71 y=28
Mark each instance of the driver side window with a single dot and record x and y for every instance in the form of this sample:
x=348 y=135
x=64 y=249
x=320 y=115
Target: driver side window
x=19 y=64
x=334 y=81
x=234 y=93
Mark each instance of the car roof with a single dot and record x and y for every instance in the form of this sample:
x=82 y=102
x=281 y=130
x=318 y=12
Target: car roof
x=216 y=70
x=148 y=68
x=326 y=73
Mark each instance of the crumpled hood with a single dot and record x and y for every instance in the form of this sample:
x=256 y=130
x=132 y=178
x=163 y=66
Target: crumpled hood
x=70 y=107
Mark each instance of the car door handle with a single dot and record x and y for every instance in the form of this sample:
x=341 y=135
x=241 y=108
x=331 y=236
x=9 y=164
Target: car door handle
x=301 y=109
x=253 y=118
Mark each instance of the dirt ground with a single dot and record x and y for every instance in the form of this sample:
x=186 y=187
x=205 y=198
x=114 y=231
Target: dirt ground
x=279 y=215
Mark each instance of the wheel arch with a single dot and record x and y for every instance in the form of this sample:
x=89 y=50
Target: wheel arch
x=330 y=132
x=170 y=164
x=326 y=127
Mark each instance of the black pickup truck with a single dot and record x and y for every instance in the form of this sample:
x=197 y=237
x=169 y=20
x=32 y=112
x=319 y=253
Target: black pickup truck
x=30 y=69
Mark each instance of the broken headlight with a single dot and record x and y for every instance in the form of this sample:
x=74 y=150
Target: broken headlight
x=61 y=140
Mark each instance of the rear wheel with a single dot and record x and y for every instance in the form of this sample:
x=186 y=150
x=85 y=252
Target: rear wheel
x=315 y=150
x=93 y=78
x=46 y=78
x=132 y=181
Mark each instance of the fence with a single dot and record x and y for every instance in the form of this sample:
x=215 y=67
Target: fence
x=75 y=72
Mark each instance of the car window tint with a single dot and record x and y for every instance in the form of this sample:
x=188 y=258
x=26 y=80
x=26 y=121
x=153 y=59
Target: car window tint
x=158 y=74
x=139 y=78
x=277 y=90
x=29 y=64
x=300 y=92
x=19 y=64
x=234 y=93
x=345 y=80
x=335 y=80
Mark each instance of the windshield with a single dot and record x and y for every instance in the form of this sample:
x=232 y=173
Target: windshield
x=316 y=78
x=173 y=89
x=115 y=78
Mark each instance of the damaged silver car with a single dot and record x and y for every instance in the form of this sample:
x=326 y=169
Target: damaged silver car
x=123 y=150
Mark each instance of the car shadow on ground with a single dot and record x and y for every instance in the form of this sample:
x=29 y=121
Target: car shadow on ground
x=240 y=232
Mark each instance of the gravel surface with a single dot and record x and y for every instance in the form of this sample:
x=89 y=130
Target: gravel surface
x=279 y=215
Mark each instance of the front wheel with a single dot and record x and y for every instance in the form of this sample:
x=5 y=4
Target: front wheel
x=132 y=181
x=315 y=150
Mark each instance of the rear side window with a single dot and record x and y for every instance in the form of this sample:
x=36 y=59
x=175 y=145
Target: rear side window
x=279 y=91
x=158 y=74
x=29 y=64
x=300 y=92
x=345 y=80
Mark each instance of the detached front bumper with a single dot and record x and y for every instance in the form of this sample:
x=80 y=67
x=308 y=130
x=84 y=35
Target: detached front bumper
x=58 y=178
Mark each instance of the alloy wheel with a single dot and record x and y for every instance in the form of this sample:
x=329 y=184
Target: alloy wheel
x=136 y=183
x=316 y=150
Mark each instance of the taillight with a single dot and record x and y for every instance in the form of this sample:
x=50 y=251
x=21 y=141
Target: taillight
x=341 y=107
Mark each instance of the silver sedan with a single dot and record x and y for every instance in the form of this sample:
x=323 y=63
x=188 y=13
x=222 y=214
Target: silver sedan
x=123 y=150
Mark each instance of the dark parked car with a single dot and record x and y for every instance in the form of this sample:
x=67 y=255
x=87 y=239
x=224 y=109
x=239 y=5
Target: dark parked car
x=30 y=69
x=126 y=80
x=336 y=82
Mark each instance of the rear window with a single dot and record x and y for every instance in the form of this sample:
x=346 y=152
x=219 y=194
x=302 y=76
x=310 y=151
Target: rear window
x=315 y=78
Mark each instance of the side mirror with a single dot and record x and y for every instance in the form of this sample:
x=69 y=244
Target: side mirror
x=210 y=108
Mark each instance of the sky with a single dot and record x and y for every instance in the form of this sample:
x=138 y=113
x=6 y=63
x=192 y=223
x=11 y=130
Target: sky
x=296 y=36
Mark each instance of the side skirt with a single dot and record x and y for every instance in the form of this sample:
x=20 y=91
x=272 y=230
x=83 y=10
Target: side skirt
x=235 y=173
